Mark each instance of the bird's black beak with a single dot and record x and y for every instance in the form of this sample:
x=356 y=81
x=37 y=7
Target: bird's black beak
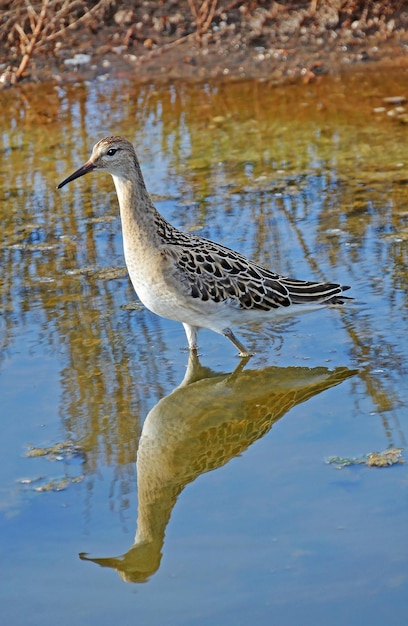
x=84 y=169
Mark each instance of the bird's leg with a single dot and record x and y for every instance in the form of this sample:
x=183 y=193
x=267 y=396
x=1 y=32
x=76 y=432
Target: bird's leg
x=243 y=352
x=191 y=332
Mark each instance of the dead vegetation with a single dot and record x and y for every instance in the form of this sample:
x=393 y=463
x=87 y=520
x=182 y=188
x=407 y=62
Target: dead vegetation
x=31 y=30
x=203 y=14
x=28 y=27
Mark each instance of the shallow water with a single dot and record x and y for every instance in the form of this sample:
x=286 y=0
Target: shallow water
x=239 y=516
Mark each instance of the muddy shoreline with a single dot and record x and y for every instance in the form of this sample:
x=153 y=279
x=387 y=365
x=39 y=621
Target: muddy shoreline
x=276 y=42
x=187 y=63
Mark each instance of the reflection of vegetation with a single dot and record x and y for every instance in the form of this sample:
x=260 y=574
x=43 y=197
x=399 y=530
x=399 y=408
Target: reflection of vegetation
x=295 y=177
x=205 y=422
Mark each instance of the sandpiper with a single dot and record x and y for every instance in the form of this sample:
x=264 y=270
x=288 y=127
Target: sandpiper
x=188 y=278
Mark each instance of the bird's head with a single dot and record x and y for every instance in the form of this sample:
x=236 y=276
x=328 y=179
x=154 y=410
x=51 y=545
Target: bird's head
x=111 y=154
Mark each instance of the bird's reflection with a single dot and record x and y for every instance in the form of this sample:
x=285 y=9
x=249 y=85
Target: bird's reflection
x=207 y=420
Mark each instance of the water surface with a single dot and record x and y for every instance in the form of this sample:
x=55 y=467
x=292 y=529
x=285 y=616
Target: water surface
x=238 y=517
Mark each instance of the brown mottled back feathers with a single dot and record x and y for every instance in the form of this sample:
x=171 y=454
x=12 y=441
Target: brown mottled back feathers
x=211 y=271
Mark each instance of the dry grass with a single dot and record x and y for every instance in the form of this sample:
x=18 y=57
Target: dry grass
x=31 y=27
x=203 y=13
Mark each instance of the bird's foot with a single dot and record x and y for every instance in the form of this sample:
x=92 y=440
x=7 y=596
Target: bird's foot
x=242 y=351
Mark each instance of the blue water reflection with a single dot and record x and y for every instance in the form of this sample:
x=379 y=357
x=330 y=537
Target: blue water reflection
x=296 y=177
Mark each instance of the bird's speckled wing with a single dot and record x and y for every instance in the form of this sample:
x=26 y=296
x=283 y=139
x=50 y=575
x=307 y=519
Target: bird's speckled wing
x=210 y=271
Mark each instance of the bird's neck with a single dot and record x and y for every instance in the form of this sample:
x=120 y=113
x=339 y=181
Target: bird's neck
x=136 y=209
x=144 y=230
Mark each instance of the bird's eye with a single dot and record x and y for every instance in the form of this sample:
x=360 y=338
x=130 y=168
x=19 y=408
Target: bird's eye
x=111 y=151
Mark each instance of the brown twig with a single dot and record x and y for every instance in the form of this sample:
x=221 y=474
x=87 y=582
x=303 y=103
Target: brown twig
x=203 y=15
x=44 y=26
x=83 y=18
x=32 y=40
